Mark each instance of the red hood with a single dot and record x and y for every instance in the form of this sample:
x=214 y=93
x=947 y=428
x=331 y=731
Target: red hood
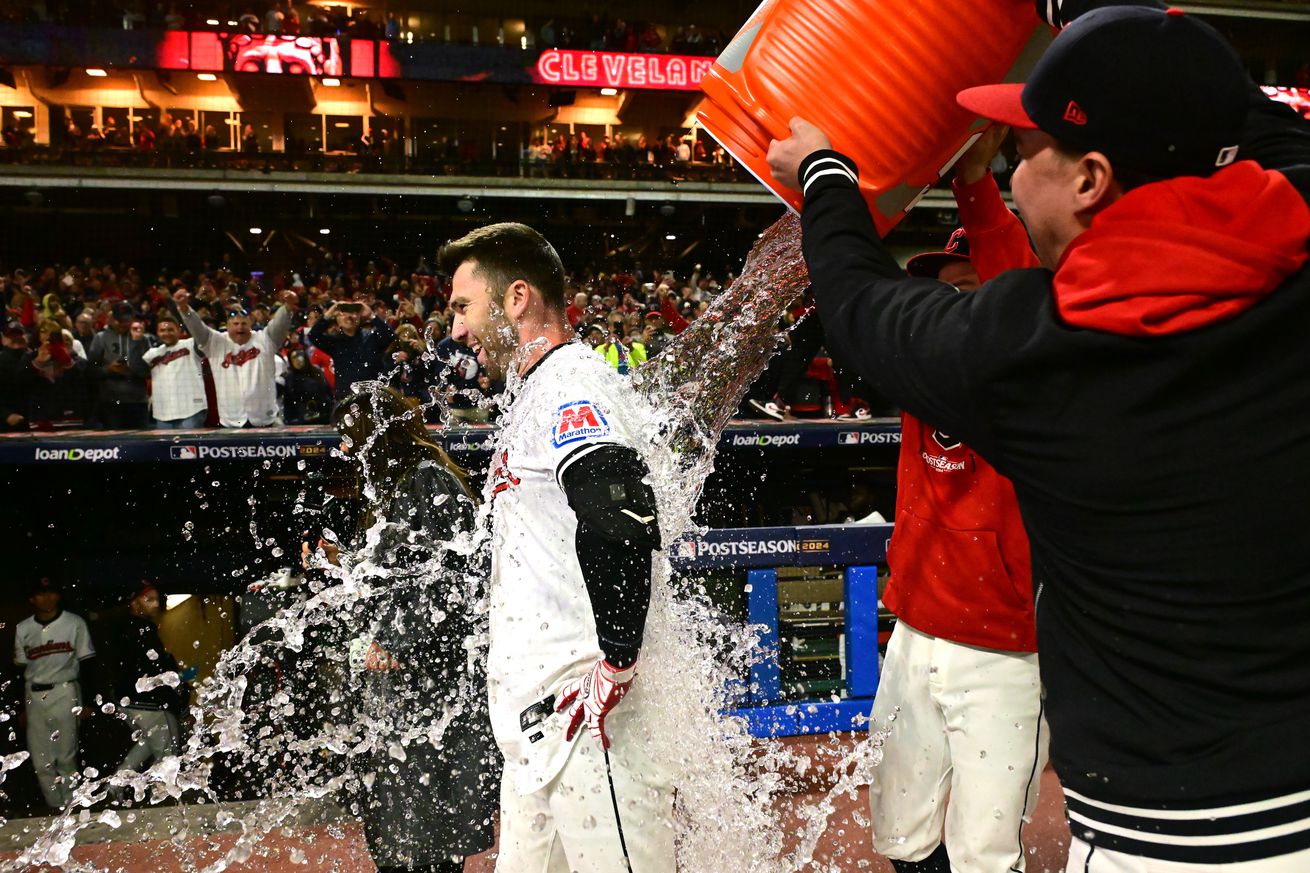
x=1177 y=255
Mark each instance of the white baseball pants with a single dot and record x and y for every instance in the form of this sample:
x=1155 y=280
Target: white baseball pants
x=52 y=739
x=602 y=814
x=969 y=728
x=155 y=736
x=1084 y=858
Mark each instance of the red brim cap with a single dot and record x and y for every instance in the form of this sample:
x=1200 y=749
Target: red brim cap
x=998 y=103
x=929 y=264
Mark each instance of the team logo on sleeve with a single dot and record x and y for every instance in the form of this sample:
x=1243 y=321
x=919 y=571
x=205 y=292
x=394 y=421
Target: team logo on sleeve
x=577 y=421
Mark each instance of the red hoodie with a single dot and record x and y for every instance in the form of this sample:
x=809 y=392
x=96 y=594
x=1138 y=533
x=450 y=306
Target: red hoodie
x=959 y=555
x=1229 y=239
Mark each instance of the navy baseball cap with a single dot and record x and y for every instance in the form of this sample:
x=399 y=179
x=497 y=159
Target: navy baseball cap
x=44 y=583
x=929 y=264
x=1156 y=91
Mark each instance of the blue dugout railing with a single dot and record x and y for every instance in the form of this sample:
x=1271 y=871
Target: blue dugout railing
x=860 y=549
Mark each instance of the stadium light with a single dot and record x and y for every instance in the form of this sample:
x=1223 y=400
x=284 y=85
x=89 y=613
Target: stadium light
x=325 y=230
x=670 y=236
x=96 y=71
x=212 y=22
x=331 y=83
x=207 y=77
x=256 y=230
x=609 y=92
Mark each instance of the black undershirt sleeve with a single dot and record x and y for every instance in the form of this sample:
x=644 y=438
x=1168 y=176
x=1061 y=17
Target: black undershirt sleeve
x=618 y=528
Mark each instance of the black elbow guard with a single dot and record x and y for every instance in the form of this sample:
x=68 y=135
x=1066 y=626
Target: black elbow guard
x=605 y=489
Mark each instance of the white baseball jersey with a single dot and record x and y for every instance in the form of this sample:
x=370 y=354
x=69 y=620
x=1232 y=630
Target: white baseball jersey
x=49 y=653
x=543 y=631
x=243 y=374
x=177 y=385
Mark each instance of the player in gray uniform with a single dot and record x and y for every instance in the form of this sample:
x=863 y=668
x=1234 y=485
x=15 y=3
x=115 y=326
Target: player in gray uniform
x=53 y=648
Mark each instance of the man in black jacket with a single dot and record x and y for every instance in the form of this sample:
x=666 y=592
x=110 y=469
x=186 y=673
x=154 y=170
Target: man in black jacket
x=148 y=680
x=1148 y=393
x=357 y=355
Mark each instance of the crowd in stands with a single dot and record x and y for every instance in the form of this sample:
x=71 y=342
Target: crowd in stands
x=597 y=32
x=182 y=142
x=104 y=346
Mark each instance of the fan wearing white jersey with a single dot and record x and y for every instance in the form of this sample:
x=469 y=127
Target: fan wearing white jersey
x=177 y=386
x=573 y=528
x=53 y=648
x=242 y=362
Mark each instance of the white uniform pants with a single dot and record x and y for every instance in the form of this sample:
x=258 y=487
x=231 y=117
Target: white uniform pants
x=970 y=728
x=52 y=739
x=155 y=736
x=594 y=817
x=1089 y=859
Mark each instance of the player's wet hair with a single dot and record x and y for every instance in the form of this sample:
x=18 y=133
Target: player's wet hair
x=505 y=253
x=404 y=441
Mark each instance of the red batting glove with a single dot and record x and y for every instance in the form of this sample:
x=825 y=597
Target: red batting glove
x=590 y=698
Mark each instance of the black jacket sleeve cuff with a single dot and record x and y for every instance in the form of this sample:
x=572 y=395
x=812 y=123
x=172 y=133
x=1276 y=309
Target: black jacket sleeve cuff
x=826 y=168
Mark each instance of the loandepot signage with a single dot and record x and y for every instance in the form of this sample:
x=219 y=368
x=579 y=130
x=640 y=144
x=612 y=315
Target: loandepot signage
x=92 y=455
x=580 y=69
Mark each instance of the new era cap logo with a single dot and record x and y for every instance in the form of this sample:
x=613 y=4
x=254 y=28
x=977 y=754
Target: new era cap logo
x=1073 y=113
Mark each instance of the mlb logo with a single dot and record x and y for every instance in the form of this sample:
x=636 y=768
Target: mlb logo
x=577 y=421
x=182 y=453
x=848 y=438
x=685 y=549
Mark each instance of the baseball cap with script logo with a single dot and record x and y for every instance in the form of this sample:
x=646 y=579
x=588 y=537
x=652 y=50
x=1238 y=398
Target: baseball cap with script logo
x=1156 y=91
x=929 y=264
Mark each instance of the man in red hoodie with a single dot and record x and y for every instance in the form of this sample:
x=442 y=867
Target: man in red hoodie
x=1147 y=391
x=960 y=681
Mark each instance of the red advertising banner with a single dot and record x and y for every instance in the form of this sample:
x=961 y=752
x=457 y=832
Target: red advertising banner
x=582 y=69
x=250 y=53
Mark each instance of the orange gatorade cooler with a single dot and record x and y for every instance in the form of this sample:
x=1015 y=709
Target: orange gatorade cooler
x=878 y=76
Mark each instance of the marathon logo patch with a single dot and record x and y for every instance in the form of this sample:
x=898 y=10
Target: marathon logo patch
x=578 y=421
x=92 y=455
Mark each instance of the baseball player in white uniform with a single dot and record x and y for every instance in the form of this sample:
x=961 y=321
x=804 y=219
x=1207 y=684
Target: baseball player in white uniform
x=52 y=647
x=242 y=361
x=573 y=529
x=177 y=386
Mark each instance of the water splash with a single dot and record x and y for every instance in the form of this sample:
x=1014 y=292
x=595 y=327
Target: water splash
x=292 y=709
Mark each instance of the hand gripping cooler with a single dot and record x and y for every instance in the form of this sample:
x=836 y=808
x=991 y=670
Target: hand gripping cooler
x=878 y=76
